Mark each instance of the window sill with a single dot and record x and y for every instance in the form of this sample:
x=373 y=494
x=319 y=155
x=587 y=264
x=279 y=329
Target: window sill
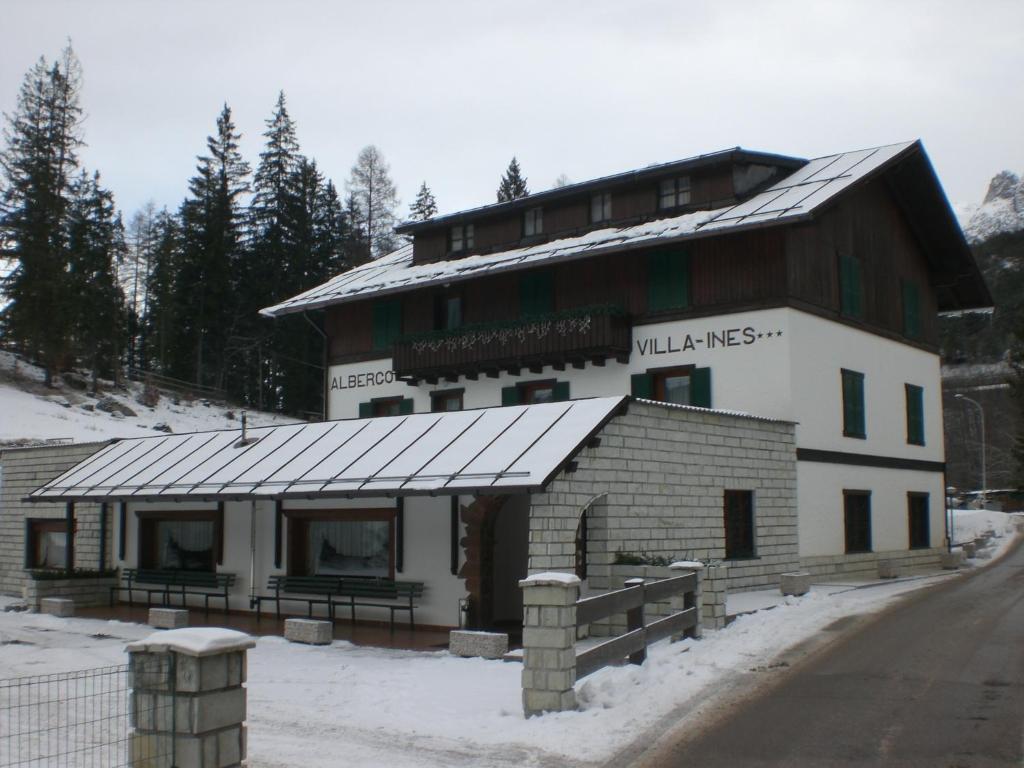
x=740 y=559
x=855 y=436
x=859 y=552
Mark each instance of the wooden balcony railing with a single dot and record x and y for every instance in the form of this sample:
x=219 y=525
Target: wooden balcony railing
x=571 y=337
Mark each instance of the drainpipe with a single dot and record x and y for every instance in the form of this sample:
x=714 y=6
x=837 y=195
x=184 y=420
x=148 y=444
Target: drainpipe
x=252 y=554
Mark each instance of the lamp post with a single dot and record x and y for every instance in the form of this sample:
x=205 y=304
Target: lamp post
x=984 y=481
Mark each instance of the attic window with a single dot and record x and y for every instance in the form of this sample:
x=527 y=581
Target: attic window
x=461 y=237
x=601 y=207
x=533 y=222
x=674 y=193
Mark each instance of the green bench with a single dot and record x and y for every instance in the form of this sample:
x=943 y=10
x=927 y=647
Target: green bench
x=380 y=593
x=311 y=590
x=169 y=584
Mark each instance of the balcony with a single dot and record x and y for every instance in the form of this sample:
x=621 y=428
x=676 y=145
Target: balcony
x=573 y=337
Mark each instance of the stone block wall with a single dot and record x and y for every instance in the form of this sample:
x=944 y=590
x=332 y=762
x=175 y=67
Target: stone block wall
x=865 y=565
x=86 y=593
x=655 y=484
x=22 y=470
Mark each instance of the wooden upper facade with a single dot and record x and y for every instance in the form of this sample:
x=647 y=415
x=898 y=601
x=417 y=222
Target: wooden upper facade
x=723 y=233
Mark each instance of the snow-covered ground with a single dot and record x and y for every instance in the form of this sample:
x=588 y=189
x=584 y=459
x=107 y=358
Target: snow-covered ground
x=31 y=413
x=342 y=704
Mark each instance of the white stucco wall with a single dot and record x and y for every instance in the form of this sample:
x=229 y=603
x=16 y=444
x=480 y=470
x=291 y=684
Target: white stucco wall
x=426 y=555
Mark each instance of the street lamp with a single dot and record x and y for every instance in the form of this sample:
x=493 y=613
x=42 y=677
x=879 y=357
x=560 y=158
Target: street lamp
x=984 y=482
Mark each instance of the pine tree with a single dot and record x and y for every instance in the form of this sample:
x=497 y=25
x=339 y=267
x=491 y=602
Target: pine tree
x=425 y=206
x=211 y=253
x=95 y=243
x=513 y=183
x=39 y=161
x=134 y=277
x=375 y=198
x=159 y=322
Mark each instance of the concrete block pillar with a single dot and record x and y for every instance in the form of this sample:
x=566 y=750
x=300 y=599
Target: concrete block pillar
x=715 y=591
x=694 y=600
x=549 y=642
x=188 y=702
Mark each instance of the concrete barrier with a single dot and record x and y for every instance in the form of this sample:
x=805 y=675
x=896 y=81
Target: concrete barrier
x=168 y=618
x=487 y=645
x=57 y=606
x=309 y=631
x=796 y=583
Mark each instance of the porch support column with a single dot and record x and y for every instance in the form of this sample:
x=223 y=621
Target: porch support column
x=69 y=536
x=549 y=642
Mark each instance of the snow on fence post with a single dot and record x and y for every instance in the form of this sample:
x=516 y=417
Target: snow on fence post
x=549 y=642
x=693 y=599
x=188 y=700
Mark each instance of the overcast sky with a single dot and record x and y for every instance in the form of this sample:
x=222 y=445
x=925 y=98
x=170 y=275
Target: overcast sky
x=450 y=91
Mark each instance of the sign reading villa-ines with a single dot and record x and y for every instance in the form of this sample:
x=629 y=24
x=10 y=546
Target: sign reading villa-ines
x=717 y=339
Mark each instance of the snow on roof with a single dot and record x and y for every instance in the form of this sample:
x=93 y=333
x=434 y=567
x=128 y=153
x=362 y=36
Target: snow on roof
x=510 y=448
x=794 y=197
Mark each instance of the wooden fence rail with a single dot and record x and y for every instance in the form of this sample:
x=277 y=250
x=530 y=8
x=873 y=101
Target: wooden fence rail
x=639 y=635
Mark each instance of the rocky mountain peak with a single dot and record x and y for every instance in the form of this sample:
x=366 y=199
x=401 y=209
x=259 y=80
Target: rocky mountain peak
x=1002 y=187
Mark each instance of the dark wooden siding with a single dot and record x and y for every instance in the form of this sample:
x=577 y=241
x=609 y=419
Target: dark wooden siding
x=869 y=226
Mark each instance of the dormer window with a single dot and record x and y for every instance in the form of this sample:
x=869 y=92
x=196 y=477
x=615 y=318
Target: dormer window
x=461 y=238
x=601 y=207
x=674 y=193
x=533 y=222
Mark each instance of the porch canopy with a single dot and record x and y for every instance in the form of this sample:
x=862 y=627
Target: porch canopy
x=508 y=449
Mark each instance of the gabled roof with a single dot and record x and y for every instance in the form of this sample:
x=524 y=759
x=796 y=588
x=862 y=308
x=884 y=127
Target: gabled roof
x=515 y=448
x=734 y=155
x=798 y=197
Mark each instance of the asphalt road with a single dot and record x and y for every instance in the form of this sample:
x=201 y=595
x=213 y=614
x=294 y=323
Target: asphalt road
x=936 y=681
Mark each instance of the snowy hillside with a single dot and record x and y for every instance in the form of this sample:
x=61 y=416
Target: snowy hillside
x=1002 y=210
x=32 y=413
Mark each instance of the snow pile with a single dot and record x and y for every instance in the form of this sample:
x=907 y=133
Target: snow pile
x=997 y=527
x=1002 y=210
x=31 y=413
x=410 y=709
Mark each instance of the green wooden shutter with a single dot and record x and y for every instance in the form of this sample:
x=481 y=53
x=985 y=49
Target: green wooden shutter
x=851 y=292
x=642 y=385
x=405 y=407
x=668 y=281
x=911 y=310
x=536 y=294
x=853 y=404
x=700 y=387
x=387 y=323
x=561 y=391
x=915 y=414
x=365 y=410
x=510 y=396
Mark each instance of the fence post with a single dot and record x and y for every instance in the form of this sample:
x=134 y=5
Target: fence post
x=549 y=642
x=715 y=593
x=635 y=621
x=188 y=700
x=687 y=600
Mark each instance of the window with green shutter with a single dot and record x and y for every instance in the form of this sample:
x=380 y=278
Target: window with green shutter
x=531 y=392
x=386 y=406
x=911 y=310
x=387 y=323
x=536 y=294
x=685 y=385
x=851 y=288
x=668 y=281
x=853 y=404
x=915 y=414
x=857 y=520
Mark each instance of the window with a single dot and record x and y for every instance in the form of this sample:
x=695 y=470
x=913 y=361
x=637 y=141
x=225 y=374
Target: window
x=853 y=404
x=581 y=547
x=530 y=392
x=357 y=542
x=446 y=400
x=447 y=311
x=915 y=414
x=180 y=541
x=533 y=222
x=851 y=289
x=46 y=543
x=601 y=207
x=739 y=525
x=386 y=406
x=917 y=520
x=911 y=310
x=387 y=323
x=685 y=385
x=673 y=193
x=536 y=294
x=668 y=281
x=460 y=238
x=857 y=520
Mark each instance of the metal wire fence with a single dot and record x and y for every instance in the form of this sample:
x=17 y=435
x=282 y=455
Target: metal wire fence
x=81 y=720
